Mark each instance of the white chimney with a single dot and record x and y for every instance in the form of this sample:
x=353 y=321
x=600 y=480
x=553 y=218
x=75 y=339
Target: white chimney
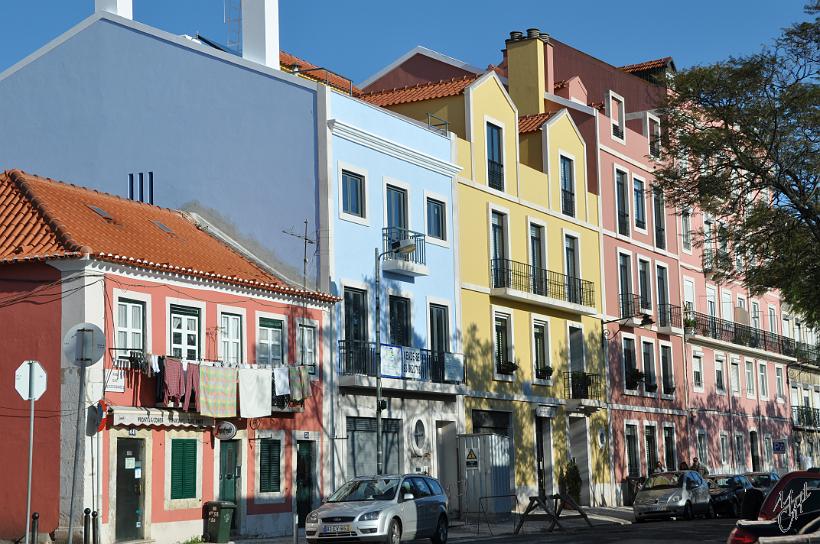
x=260 y=31
x=123 y=8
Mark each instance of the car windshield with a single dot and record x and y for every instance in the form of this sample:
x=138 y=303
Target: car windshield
x=761 y=480
x=725 y=482
x=663 y=481
x=375 y=489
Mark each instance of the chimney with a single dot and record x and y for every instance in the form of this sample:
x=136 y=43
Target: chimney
x=260 y=32
x=123 y=8
x=526 y=69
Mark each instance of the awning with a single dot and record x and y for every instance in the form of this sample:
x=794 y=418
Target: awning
x=130 y=416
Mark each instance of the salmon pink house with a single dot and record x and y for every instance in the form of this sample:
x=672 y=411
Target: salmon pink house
x=211 y=387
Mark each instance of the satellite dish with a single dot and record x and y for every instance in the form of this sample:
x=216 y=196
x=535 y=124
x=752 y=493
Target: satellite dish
x=84 y=344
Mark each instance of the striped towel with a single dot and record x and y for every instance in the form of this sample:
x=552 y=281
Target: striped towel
x=217 y=391
x=299 y=382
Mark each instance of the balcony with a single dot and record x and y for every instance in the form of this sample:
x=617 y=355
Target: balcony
x=660 y=236
x=523 y=282
x=403 y=368
x=584 y=392
x=630 y=310
x=806 y=417
x=669 y=319
x=411 y=264
x=495 y=175
x=623 y=223
x=568 y=202
x=720 y=331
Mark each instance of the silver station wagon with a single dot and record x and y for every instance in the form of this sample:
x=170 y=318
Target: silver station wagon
x=388 y=509
x=682 y=494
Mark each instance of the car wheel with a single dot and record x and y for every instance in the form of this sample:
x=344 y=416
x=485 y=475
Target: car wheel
x=710 y=511
x=394 y=532
x=687 y=512
x=441 y=531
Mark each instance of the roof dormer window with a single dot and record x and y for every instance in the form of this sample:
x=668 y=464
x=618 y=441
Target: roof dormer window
x=617 y=114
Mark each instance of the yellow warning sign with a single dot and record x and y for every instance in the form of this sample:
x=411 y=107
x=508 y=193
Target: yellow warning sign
x=471 y=461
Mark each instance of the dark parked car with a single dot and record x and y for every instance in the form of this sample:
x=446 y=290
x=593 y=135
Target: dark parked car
x=792 y=505
x=763 y=481
x=727 y=492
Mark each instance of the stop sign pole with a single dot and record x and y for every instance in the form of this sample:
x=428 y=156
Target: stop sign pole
x=30 y=382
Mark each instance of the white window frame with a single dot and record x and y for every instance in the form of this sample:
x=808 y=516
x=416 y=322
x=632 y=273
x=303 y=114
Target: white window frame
x=724 y=455
x=768 y=451
x=751 y=385
x=780 y=384
x=651 y=342
x=571 y=158
x=703 y=456
x=503 y=127
x=447 y=227
x=763 y=380
x=538 y=319
x=661 y=345
x=654 y=426
x=698 y=356
x=683 y=231
x=720 y=363
x=407 y=188
x=240 y=313
x=202 y=307
x=740 y=464
x=772 y=317
x=341 y=166
x=505 y=212
x=636 y=346
x=673 y=463
x=632 y=278
x=621 y=117
x=638 y=442
x=127 y=328
x=645 y=228
x=302 y=322
x=535 y=222
x=509 y=314
x=650 y=284
x=284 y=341
x=735 y=362
x=630 y=212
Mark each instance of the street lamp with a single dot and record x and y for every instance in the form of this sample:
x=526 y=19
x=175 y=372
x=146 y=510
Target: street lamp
x=397 y=247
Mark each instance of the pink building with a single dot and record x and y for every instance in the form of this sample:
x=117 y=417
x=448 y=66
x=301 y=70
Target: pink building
x=251 y=353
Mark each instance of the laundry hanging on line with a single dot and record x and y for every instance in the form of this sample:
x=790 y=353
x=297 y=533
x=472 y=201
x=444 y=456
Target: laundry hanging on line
x=217 y=391
x=255 y=392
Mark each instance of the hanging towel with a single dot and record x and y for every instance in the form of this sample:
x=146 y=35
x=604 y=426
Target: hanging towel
x=255 y=393
x=217 y=391
x=174 y=381
x=299 y=382
x=160 y=391
x=191 y=387
x=155 y=363
x=281 y=381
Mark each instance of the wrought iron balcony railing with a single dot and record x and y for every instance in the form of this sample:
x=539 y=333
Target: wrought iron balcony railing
x=669 y=315
x=655 y=147
x=495 y=175
x=358 y=357
x=623 y=223
x=581 y=385
x=617 y=131
x=805 y=416
x=391 y=236
x=745 y=335
x=630 y=305
x=505 y=273
x=660 y=236
x=568 y=202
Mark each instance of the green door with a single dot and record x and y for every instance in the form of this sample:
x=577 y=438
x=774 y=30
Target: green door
x=304 y=479
x=228 y=470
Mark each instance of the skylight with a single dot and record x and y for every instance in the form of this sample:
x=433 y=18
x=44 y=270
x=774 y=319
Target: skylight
x=102 y=213
x=163 y=227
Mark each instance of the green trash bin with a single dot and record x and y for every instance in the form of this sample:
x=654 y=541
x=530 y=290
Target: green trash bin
x=218 y=517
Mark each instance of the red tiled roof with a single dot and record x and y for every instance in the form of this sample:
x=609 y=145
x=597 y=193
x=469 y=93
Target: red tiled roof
x=45 y=219
x=417 y=93
x=288 y=62
x=531 y=123
x=647 y=65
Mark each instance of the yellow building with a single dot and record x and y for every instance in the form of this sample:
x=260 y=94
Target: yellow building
x=530 y=276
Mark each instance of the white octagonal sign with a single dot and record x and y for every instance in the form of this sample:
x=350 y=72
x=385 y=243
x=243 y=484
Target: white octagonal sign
x=30 y=370
x=84 y=344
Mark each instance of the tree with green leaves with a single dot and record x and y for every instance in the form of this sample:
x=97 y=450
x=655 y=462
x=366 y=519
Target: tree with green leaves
x=743 y=134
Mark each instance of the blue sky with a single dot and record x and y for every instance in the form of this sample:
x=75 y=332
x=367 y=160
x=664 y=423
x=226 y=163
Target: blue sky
x=357 y=37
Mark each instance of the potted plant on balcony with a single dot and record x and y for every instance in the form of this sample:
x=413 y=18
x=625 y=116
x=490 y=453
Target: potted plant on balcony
x=689 y=325
x=543 y=373
x=633 y=376
x=650 y=387
x=506 y=367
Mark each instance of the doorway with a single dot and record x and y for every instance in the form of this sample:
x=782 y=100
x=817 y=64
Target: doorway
x=543 y=451
x=305 y=484
x=578 y=451
x=130 y=501
x=753 y=442
x=229 y=471
x=447 y=463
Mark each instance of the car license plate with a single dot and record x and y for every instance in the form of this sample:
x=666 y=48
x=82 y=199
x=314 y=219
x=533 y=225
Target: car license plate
x=336 y=528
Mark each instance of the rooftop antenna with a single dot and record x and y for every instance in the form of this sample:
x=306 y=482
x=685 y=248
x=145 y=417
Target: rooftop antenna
x=307 y=240
x=233 y=19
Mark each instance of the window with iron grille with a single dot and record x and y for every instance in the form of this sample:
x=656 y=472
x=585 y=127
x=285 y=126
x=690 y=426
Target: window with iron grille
x=495 y=154
x=567 y=186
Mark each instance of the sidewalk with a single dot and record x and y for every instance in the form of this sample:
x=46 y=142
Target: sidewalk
x=536 y=523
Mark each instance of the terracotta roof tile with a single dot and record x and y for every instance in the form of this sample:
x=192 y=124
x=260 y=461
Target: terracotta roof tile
x=46 y=219
x=422 y=91
x=647 y=65
x=531 y=123
x=288 y=62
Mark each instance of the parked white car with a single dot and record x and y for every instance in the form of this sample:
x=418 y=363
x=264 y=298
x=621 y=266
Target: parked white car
x=682 y=494
x=390 y=509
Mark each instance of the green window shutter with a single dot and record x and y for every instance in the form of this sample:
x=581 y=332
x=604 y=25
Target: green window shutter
x=270 y=323
x=270 y=451
x=183 y=469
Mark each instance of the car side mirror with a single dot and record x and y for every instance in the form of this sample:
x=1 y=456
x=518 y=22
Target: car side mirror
x=408 y=497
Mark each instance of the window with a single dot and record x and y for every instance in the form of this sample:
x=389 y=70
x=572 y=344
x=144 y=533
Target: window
x=778 y=373
x=498 y=238
x=396 y=202
x=769 y=451
x=772 y=320
x=269 y=349
x=632 y=456
x=689 y=295
x=719 y=382
x=540 y=278
x=763 y=387
x=727 y=309
x=495 y=161
x=654 y=138
x=697 y=371
x=651 y=441
x=400 y=329
x=644 y=285
x=660 y=218
x=502 y=343
x=735 y=377
x=668 y=380
x=708 y=249
x=130 y=325
x=571 y=269
x=439 y=329
x=353 y=194
x=701 y=446
x=640 y=207
x=625 y=283
x=270 y=455
x=630 y=364
x=436 y=219
x=664 y=310
x=724 y=449
x=567 y=186
x=616 y=113
x=740 y=453
x=183 y=468
x=686 y=229
x=622 y=202
x=184 y=332
x=230 y=332
x=540 y=342
x=648 y=354
x=756 y=315
x=307 y=346
x=669 y=448
x=750 y=378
